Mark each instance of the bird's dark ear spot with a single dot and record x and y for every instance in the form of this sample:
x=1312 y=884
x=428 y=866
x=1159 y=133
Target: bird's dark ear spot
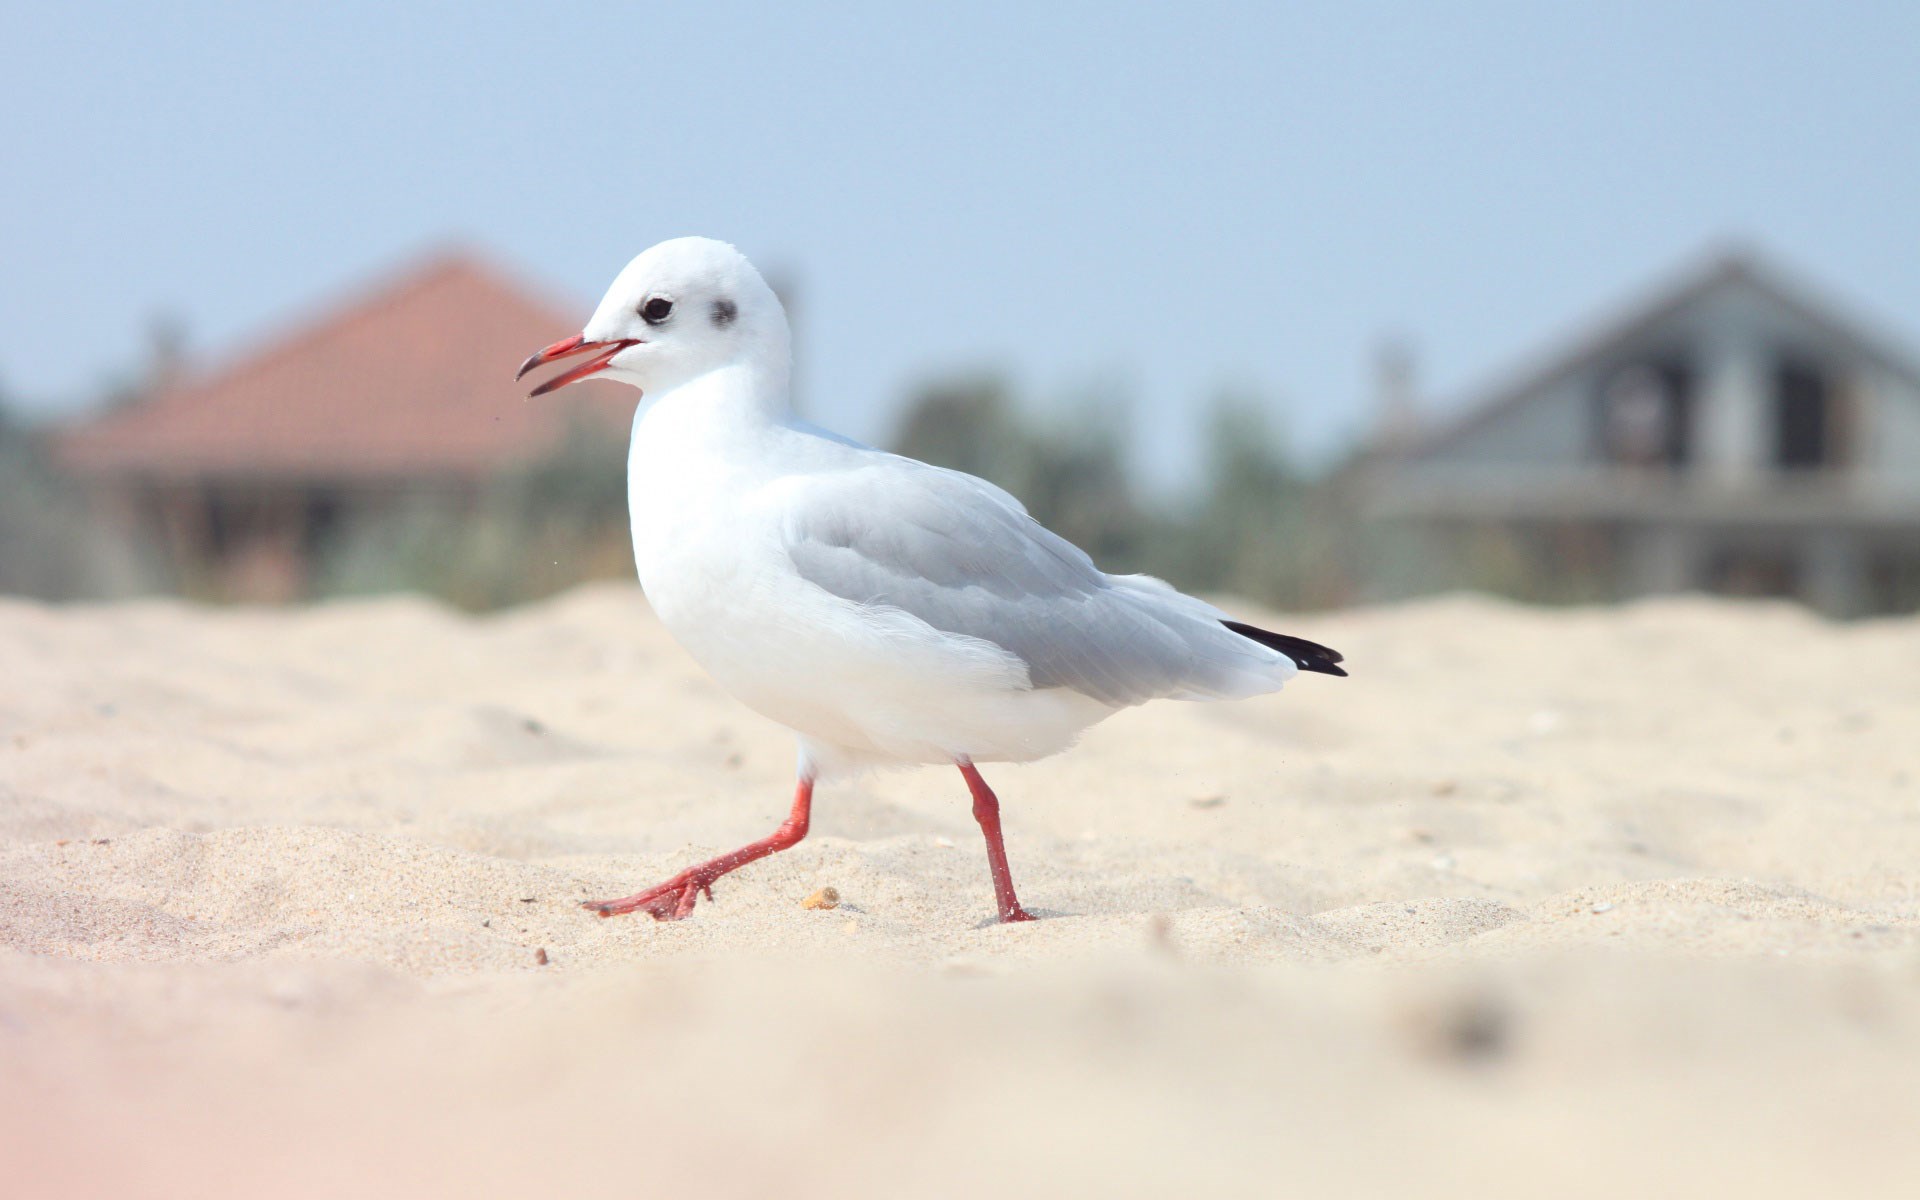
x=724 y=311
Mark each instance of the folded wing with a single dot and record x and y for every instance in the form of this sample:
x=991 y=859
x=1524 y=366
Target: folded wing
x=964 y=558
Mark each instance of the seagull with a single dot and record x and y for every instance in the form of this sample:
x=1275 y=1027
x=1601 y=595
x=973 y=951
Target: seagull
x=888 y=612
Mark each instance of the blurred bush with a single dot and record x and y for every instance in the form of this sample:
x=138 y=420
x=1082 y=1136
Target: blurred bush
x=531 y=533
x=52 y=546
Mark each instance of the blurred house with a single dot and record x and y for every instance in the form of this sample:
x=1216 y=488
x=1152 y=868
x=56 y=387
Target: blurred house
x=241 y=473
x=1734 y=433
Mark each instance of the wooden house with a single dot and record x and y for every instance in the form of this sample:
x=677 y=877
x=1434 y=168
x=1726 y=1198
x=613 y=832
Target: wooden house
x=1734 y=432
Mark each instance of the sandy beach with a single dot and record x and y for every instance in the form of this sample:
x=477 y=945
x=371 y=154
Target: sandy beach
x=1574 y=903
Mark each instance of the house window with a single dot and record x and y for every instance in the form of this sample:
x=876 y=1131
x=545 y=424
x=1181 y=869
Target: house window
x=1646 y=415
x=323 y=509
x=1803 y=417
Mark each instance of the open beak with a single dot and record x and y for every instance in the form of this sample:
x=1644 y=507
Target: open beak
x=567 y=349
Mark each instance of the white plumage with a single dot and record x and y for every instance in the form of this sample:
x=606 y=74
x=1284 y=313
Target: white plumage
x=887 y=611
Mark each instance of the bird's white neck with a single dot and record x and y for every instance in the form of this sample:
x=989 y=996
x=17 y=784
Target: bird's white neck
x=738 y=394
x=706 y=424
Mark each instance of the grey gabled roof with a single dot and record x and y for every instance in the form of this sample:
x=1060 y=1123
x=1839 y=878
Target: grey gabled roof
x=1729 y=267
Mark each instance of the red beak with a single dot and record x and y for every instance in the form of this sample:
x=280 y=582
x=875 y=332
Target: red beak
x=567 y=349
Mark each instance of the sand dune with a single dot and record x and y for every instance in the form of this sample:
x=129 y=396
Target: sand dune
x=1536 y=903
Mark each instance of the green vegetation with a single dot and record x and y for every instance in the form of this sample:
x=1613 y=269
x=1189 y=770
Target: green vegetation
x=531 y=533
x=51 y=545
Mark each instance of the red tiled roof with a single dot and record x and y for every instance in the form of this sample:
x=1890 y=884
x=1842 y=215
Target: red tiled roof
x=414 y=380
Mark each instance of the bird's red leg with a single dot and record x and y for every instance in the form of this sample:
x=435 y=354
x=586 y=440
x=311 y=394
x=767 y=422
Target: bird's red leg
x=986 y=810
x=674 y=899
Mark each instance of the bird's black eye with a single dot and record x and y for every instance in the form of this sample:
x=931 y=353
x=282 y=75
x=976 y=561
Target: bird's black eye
x=656 y=309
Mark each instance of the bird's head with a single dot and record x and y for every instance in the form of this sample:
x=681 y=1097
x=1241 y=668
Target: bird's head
x=681 y=309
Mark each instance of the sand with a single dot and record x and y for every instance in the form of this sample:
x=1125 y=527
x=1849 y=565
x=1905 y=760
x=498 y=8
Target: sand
x=1583 y=903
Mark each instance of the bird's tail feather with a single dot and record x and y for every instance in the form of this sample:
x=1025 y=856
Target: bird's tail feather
x=1308 y=656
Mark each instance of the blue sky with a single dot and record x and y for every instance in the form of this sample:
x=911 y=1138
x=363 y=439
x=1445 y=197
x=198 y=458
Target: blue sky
x=1178 y=200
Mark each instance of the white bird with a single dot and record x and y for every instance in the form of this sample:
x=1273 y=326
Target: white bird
x=887 y=611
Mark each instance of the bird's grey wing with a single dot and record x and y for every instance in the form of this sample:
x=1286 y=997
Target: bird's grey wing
x=965 y=558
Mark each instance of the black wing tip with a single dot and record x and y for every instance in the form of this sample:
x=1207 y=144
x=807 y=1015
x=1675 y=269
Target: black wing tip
x=1308 y=656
